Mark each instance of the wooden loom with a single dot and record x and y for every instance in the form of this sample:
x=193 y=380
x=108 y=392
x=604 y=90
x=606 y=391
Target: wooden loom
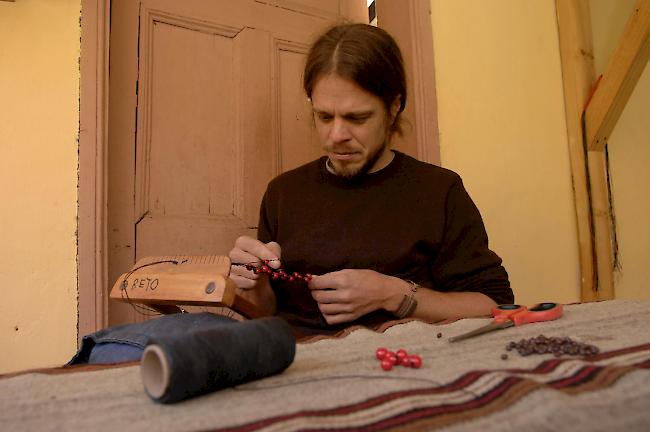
x=164 y=282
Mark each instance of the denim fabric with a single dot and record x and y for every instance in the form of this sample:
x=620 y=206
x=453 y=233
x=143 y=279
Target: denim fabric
x=114 y=352
x=138 y=335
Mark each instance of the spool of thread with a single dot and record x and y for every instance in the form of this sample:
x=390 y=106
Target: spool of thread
x=178 y=366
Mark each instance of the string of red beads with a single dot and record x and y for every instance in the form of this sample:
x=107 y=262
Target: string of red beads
x=388 y=359
x=263 y=267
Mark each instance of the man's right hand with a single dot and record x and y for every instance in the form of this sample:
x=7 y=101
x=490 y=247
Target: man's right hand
x=248 y=250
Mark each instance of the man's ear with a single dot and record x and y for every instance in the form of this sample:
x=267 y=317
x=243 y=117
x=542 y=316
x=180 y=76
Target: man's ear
x=394 y=107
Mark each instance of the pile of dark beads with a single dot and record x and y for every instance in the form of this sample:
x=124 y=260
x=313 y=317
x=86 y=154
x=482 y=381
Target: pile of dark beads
x=276 y=274
x=557 y=346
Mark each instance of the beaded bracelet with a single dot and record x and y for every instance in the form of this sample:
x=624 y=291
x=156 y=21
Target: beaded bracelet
x=409 y=303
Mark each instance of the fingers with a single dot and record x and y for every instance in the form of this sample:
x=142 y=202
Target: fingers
x=331 y=280
x=340 y=318
x=334 y=304
x=250 y=250
x=244 y=282
x=336 y=308
x=275 y=250
x=330 y=296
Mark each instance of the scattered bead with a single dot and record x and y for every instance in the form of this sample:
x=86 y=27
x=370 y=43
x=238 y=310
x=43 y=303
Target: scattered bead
x=504 y=356
x=401 y=357
x=416 y=361
x=439 y=335
x=557 y=346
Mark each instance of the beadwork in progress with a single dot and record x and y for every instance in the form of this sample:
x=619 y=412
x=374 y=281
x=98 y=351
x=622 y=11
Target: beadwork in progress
x=263 y=267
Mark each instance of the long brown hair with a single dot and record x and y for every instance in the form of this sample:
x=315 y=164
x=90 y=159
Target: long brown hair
x=365 y=54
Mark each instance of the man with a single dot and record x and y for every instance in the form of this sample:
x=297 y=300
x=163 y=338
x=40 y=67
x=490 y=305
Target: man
x=385 y=236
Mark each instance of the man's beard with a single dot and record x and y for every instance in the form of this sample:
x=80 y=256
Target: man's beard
x=363 y=169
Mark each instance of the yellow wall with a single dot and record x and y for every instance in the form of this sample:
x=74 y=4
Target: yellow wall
x=629 y=153
x=39 y=121
x=502 y=128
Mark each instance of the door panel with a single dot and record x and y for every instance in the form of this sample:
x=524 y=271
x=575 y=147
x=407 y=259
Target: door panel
x=219 y=111
x=297 y=135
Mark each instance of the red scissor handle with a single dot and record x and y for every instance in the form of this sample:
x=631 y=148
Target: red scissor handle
x=520 y=315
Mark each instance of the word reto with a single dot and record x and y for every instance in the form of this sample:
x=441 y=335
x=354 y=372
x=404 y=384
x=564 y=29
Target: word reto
x=146 y=284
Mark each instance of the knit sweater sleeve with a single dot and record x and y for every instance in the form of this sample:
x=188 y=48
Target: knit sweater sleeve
x=464 y=261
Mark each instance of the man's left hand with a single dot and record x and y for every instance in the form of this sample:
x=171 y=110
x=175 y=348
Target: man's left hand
x=346 y=295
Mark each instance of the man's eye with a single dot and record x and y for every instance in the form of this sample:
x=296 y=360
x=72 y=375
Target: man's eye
x=324 y=117
x=358 y=120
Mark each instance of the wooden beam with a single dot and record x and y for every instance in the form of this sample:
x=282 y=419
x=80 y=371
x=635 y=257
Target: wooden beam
x=93 y=119
x=590 y=192
x=620 y=78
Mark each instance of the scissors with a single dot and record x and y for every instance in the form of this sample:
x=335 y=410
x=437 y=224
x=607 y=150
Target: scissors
x=508 y=315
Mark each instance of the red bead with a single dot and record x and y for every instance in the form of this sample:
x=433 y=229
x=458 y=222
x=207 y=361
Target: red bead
x=391 y=358
x=308 y=276
x=291 y=278
x=401 y=354
x=415 y=360
x=405 y=361
x=257 y=270
x=266 y=269
x=386 y=365
x=266 y=262
x=381 y=353
x=275 y=276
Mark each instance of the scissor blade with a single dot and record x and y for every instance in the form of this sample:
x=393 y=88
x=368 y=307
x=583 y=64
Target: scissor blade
x=479 y=331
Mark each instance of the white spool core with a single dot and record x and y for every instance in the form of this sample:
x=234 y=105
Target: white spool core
x=155 y=371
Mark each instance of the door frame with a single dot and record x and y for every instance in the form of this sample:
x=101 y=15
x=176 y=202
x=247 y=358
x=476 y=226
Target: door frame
x=92 y=261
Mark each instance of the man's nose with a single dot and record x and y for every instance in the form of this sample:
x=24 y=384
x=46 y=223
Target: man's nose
x=340 y=131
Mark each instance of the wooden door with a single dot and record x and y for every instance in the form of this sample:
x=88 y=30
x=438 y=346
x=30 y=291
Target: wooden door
x=206 y=106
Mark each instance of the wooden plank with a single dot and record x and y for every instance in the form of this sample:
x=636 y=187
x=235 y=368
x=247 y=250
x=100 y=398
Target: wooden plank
x=177 y=279
x=93 y=113
x=578 y=73
x=620 y=77
x=602 y=225
x=588 y=169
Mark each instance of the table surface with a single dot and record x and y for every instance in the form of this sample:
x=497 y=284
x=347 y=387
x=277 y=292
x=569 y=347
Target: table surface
x=336 y=383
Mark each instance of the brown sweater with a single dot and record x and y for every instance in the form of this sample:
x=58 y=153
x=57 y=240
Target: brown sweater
x=411 y=219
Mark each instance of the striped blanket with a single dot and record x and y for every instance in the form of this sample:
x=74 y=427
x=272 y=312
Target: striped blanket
x=337 y=384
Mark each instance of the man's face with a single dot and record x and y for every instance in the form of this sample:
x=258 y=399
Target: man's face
x=352 y=124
